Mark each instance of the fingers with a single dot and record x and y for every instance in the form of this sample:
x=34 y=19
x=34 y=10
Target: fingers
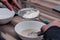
x=7 y=4
x=11 y=5
x=16 y=4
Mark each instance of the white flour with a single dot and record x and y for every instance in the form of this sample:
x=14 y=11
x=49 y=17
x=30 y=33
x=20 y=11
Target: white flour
x=31 y=14
x=27 y=33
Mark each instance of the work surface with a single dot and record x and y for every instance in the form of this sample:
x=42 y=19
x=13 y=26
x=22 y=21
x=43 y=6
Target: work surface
x=8 y=32
x=46 y=12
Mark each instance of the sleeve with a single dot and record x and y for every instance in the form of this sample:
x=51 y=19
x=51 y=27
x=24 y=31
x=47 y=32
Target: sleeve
x=1 y=38
x=53 y=33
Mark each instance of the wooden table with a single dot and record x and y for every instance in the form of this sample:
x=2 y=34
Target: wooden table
x=8 y=31
x=46 y=9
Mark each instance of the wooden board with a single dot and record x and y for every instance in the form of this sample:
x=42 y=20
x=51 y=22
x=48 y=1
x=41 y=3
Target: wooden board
x=53 y=1
x=45 y=8
x=8 y=32
x=43 y=3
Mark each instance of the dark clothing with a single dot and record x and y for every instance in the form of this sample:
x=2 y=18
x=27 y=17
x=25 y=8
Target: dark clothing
x=53 y=33
x=1 y=38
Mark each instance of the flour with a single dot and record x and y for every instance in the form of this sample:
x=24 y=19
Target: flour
x=31 y=14
x=27 y=33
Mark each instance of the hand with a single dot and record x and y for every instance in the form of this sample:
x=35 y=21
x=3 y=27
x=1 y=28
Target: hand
x=11 y=3
x=54 y=23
